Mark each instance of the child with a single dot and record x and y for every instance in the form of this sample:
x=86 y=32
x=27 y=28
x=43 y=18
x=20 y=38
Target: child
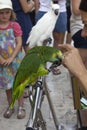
x=10 y=54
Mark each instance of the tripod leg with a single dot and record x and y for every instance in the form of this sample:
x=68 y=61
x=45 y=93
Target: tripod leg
x=40 y=121
x=51 y=106
x=35 y=118
x=33 y=111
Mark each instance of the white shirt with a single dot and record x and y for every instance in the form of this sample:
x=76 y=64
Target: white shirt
x=62 y=4
x=75 y=23
x=45 y=5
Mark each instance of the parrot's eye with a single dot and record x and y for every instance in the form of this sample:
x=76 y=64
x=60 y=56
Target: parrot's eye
x=56 y=11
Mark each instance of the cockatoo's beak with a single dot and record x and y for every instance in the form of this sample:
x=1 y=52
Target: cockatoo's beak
x=56 y=11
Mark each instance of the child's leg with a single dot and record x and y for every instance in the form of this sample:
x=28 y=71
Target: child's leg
x=21 y=101
x=9 y=96
x=21 y=111
x=9 y=111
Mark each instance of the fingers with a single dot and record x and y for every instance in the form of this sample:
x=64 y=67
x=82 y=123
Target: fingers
x=65 y=47
x=65 y=56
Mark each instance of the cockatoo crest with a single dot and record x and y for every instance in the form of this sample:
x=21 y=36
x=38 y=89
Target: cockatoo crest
x=44 y=27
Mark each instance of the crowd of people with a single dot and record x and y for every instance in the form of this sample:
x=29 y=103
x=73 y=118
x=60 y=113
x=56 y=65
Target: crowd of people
x=16 y=22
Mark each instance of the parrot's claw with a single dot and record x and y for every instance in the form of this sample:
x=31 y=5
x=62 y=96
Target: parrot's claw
x=49 y=40
x=56 y=71
x=54 y=68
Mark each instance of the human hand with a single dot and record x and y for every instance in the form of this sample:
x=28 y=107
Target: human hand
x=72 y=59
x=2 y=60
x=7 y=62
x=31 y=2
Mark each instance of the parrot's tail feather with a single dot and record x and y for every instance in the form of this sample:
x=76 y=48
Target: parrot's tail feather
x=12 y=104
x=18 y=92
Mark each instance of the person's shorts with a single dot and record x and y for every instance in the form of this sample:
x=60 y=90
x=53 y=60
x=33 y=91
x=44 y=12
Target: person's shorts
x=61 y=24
x=79 y=41
x=38 y=15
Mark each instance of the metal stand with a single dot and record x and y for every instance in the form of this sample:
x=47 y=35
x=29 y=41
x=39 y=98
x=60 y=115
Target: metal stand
x=36 y=120
x=36 y=97
x=51 y=106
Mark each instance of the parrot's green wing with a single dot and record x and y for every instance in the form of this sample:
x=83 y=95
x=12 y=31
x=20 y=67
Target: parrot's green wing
x=18 y=91
x=28 y=66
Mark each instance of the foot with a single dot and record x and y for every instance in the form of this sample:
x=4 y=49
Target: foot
x=8 y=113
x=26 y=94
x=56 y=71
x=21 y=113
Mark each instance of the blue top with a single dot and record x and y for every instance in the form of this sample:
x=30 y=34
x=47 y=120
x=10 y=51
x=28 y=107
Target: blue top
x=23 y=19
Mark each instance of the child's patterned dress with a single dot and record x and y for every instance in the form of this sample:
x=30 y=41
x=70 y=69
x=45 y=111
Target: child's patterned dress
x=7 y=46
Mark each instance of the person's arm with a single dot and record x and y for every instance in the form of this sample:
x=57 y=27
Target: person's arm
x=73 y=61
x=2 y=60
x=18 y=37
x=36 y=5
x=18 y=47
x=75 y=6
x=27 y=6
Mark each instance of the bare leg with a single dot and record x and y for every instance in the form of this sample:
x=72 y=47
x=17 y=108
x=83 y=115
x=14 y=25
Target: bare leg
x=58 y=38
x=68 y=38
x=9 y=111
x=21 y=111
x=9 y=96
x=21 y=101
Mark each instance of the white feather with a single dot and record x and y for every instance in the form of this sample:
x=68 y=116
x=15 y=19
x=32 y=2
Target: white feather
x=43 y=28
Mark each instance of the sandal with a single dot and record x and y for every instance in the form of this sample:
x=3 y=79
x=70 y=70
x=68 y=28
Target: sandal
x=25 y=95
x=8 y=113
x=56 y=71
x=21 y=113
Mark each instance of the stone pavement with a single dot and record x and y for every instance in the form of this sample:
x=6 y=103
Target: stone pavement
x=60 y=90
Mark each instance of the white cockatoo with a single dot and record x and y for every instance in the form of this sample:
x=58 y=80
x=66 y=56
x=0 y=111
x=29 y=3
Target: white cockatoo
x=44 y=27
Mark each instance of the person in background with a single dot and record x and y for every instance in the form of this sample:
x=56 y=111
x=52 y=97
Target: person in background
x=32 y=15
x=22 y=8
x=60 y=29
x=76 y=30
x=43 y=6
x=72 y=59
x=61 y=24
x=10 y=54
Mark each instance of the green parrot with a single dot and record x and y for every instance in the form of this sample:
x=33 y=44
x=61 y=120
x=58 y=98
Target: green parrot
x=33 y=66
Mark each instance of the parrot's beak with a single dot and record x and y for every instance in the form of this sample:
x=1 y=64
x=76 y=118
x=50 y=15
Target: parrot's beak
x=56 y=11
x=59 y=61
